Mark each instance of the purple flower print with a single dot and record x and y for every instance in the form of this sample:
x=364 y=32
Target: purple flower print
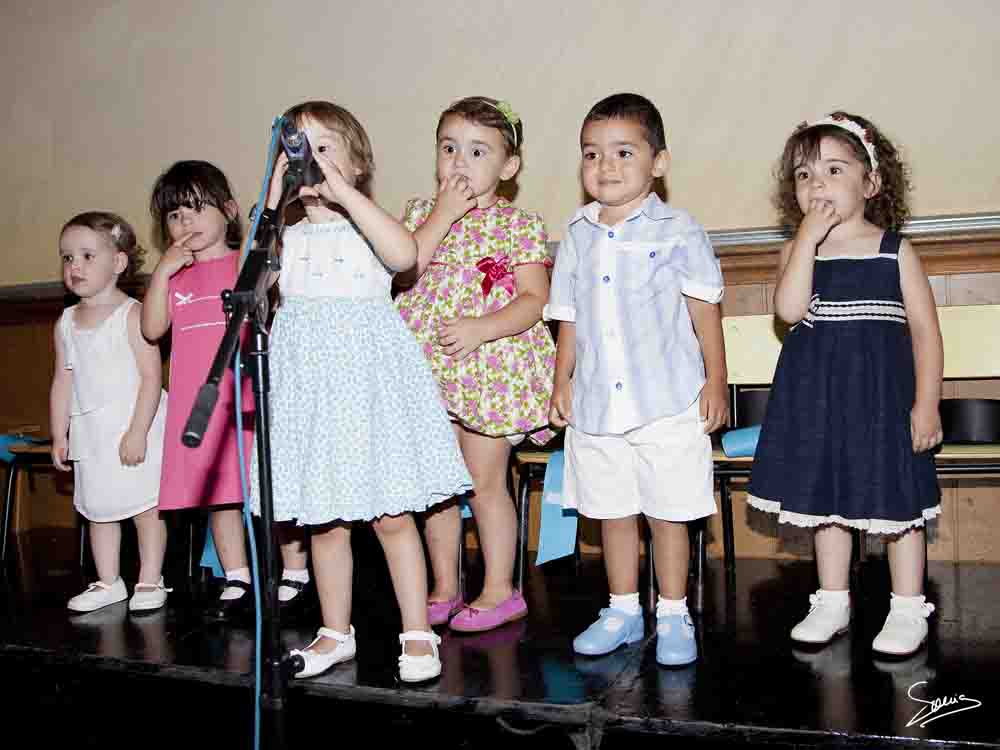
x=452 y=387
x=507 y=210
x=499 y=233
x=527 y=243
x=477 y=236
x=468 y=381
x=494 y=417
x=522 y=425
x=493 y=363
x=501 y=388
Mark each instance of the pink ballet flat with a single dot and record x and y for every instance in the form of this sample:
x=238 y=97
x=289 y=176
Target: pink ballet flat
x=472 y=620
x=439 y=612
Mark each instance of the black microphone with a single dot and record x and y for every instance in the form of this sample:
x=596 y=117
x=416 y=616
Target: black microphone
x=197 y=423
x=302 y=167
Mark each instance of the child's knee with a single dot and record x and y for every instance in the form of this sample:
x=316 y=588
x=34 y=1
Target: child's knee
x=388 y=526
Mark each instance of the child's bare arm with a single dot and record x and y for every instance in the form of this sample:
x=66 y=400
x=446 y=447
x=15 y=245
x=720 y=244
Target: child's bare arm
x=459 y=338
x=60 y=395
x=928 y=349
x=132 y=449
x=561 y=410
x=707 y=320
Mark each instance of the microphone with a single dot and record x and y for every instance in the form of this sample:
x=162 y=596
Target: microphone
x=302 y=167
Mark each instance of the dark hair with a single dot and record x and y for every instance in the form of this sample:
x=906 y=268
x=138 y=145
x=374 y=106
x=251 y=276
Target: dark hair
x=194 y=184
x=631 y=107
x=482 y=110
x=339 y=119
x=887 y=209
x=117 y=232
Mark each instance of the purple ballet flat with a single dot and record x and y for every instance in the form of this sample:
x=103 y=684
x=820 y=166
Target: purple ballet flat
x=439 y=612
x=472 y=620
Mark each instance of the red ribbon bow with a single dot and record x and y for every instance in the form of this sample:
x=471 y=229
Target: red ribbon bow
x=497 y=271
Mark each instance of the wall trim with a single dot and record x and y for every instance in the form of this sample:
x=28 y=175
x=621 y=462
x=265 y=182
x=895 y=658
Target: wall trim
x=961 y=243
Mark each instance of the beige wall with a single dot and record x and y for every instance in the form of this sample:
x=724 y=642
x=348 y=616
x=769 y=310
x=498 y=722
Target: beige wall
x=98 y=97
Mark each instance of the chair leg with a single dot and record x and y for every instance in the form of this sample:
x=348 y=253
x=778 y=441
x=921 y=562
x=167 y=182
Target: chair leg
x=699 y=567
x=523 y=515
x=651 y=593
x=8 y=506
x=728 y=543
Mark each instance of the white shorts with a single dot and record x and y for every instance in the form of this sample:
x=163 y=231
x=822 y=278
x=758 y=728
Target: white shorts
x=662 y=470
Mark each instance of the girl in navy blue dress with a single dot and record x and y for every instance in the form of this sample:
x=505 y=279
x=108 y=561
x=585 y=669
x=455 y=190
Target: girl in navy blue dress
x=853 y=412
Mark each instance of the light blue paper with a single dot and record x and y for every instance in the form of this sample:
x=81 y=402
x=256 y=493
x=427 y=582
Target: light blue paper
x=557 y=532
x=210 y=556
x=463 y=503
x=741 y=442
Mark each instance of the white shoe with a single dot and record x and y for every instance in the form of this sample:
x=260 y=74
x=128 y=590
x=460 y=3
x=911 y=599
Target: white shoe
x=827 y=618
x=419 y=668
x=148 y=596
x=316 y=662
x=905 y=628
x=97 y=595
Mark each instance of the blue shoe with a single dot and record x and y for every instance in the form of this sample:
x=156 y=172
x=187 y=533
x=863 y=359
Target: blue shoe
x=675 y=643
x=613 y=628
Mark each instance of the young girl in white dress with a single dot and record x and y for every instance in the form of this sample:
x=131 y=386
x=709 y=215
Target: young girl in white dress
x=107 y=409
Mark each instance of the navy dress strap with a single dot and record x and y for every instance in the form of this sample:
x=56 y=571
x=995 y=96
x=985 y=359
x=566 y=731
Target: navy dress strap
x=890 y=243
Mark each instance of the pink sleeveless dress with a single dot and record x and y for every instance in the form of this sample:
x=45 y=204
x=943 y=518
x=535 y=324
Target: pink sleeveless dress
x=208 y=475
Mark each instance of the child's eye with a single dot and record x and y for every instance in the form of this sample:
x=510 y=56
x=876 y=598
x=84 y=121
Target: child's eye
x=589 y=155
x=478 y=152
x=448 y=148
x=323 y=149
x=801 y=175
x=67 y=259
x=88 y=256
x=173 y=216
x=625 y=154
x=836 y=170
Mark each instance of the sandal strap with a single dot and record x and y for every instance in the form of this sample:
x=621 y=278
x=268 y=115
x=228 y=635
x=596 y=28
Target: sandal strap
x=238 y=584
x=297 y=585
x=333 y=635
x=153 y=587
x=420 y=635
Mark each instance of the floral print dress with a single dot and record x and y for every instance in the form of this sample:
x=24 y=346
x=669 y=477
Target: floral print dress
x=504 y=387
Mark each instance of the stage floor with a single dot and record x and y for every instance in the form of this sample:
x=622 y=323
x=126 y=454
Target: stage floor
x=106 y=677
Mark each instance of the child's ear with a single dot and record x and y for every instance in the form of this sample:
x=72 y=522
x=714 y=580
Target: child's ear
x=661 y=163
x=874 y=186
x=510 y=167
x=121 y=262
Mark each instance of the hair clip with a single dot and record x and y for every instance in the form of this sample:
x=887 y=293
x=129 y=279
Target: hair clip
x=846 y=123
x=509 y=115
x=116 y=232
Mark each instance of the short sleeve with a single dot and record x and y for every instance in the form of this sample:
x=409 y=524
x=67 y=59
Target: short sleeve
x=416 y=212
x=562 y=290
x=64 y=335
x=701 y=274
x=528 y=237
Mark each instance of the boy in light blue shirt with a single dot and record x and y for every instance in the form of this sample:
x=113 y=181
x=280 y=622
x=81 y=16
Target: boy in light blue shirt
x=640 y=371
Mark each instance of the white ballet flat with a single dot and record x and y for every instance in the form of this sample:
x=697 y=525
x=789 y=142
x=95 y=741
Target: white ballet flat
x=316 y=662
x=419 y=668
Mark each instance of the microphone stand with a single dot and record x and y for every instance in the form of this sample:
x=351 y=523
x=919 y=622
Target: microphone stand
x=248 y=300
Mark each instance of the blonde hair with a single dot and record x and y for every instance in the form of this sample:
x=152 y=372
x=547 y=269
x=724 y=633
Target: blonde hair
x=117 y=232
x=339 y=119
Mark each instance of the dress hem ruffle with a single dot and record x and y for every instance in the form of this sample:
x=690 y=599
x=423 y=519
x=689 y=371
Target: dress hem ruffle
x=880 y=526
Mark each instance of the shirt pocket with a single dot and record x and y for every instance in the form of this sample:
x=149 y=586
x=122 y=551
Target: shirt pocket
x=647 y=269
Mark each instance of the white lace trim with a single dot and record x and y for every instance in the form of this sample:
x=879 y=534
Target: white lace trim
x=870 y=525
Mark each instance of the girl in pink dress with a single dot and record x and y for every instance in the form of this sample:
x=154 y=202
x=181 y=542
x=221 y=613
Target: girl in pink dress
x=198 y=220
x=476 y=309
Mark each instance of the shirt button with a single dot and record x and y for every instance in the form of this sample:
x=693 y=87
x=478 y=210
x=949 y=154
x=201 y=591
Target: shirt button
x=618 y=386
x=611 y=235
x=652 y=253
x=606 y=279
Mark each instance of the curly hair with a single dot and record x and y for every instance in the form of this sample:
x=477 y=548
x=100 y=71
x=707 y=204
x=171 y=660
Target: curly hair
x=117 y=232
x=888 y=209
x=482 y=110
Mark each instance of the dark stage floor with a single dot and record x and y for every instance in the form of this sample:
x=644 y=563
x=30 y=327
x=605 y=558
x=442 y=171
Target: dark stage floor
x=107 y=679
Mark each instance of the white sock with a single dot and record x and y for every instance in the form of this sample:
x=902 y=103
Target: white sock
x=287 y=593
x=232 y=592
x=627 y=603
x=913 y=601
x=666 y=607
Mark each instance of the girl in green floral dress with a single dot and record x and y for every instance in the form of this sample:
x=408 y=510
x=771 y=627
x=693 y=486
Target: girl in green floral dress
x=481 y=281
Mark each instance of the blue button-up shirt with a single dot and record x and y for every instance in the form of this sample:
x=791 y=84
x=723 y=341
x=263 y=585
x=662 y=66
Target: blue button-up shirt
x=637 y=356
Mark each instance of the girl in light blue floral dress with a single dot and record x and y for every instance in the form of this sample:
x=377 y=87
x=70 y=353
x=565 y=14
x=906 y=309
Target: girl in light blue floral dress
x=358 y=429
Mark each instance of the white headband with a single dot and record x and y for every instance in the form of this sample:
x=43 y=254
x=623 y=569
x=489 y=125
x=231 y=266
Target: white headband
x=846 y=123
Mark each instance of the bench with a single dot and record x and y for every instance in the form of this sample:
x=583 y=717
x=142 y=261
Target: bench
x=753 y=343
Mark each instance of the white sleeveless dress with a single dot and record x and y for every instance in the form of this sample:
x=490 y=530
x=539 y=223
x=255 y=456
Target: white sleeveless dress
x=105 y=386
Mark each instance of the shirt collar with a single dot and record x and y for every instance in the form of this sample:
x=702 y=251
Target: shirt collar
x=652 y=208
